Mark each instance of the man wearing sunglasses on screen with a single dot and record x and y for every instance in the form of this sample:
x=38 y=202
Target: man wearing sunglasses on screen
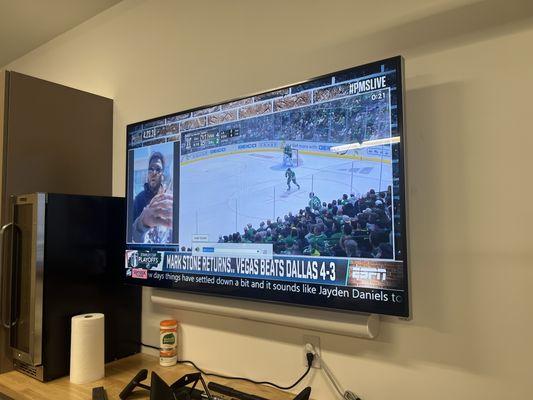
x=152 y=208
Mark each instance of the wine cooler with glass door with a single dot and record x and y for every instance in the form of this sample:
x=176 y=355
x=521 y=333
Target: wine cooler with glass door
x=62 y=255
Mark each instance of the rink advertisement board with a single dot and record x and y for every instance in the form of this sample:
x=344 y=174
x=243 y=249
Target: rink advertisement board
x=294 y=195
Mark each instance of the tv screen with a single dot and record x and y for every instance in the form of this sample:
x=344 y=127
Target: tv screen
x=293 y=195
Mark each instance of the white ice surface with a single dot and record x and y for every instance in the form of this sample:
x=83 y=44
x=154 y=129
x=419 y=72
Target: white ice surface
x=220 y=195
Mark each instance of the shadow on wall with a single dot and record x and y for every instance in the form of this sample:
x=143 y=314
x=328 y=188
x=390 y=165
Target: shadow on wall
x=436 y=161
x=458 y=27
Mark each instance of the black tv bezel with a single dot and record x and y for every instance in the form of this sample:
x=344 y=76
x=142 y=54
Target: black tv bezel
x=399 y=65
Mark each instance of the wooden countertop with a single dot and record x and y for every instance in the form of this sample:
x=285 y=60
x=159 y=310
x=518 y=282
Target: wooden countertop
x=117 y=375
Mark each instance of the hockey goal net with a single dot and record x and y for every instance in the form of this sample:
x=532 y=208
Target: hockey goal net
x=293 y=161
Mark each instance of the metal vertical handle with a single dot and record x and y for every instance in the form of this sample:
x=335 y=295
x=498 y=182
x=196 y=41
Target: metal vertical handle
x=15 y=269
x=5 y=299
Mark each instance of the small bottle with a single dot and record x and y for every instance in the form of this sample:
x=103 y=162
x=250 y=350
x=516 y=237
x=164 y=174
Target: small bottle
x=168 y=344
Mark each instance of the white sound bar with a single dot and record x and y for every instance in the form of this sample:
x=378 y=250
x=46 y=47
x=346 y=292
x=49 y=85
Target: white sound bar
x=340 y=323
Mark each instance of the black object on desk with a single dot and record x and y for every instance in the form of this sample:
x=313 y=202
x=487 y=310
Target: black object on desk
x=99 y=393
x=136 y=381
x=159 y=390
x=181 y=386
x=304 y=394
x=233 y=393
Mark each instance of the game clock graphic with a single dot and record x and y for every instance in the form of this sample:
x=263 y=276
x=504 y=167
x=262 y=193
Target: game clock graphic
x=294 y=195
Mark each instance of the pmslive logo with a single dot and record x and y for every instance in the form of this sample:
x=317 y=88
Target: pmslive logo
x=367 y=85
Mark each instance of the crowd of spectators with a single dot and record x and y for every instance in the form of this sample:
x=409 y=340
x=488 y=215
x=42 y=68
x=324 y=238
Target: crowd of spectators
x=352 y=226
x=335 y=122
x=332 y=123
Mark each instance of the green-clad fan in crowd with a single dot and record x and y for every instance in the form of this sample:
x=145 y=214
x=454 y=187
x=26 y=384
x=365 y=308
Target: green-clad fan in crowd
x=314 y=201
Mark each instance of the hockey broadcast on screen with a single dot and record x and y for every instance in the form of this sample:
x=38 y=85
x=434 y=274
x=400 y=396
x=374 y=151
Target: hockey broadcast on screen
x=292 y=195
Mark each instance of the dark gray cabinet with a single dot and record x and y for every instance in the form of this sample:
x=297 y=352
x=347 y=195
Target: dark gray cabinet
x=56 y=139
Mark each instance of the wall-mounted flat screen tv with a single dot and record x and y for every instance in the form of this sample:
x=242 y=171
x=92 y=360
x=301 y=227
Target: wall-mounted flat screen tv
x=293 y=195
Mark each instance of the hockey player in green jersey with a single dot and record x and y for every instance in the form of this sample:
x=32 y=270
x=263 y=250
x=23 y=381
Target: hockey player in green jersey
x=287 y=155
x=287 y=150
x=291 y=177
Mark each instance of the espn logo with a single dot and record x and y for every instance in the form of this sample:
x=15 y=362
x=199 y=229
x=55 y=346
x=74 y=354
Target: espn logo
x=369 y=273
x=139 y=273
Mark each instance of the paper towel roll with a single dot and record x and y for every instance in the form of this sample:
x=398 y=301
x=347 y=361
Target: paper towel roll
x=87 y=348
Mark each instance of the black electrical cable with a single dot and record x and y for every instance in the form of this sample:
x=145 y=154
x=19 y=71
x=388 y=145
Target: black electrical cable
x=310 y=358
x=246 y=379
x=150 y=346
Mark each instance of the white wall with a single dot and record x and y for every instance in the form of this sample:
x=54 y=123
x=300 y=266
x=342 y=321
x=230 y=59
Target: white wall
x=469 y=82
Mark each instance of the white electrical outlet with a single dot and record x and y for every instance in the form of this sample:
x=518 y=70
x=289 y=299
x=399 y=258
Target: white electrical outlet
x=312 y=343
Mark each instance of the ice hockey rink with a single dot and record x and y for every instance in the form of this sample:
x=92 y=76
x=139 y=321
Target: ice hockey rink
x=222 y=194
